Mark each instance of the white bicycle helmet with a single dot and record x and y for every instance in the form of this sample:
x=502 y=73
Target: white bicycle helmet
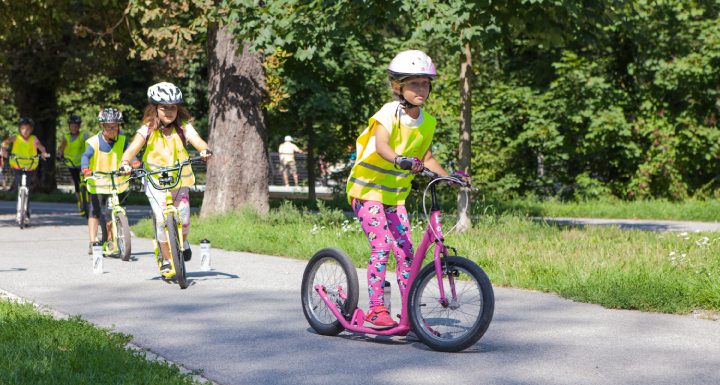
x=164 y=93
x=288 y=138
x=110 y=115
x=411 y=63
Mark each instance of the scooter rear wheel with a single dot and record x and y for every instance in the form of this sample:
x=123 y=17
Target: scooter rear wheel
x=334 y=270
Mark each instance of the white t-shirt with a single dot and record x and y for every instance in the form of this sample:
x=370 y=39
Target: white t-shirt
x=387 y=113
x=188 y=130
x=287 y=152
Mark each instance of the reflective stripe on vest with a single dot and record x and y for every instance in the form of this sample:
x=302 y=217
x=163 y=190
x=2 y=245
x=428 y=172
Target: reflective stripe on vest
x=26 y=149
x=74 y=150
x=164 y=152
x=106 y=162
x=375 y=179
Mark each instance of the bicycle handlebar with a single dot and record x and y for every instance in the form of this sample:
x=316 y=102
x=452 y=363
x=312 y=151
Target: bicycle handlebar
x=64 y=159
x=406 y=164
x=143 y=173
x=33 y=158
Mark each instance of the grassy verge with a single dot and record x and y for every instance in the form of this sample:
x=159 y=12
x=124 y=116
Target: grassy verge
x=37 y=349
x=689 y=210
x=663 y=272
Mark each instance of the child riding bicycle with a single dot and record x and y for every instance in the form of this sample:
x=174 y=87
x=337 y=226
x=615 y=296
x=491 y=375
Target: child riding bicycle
x=377 y=188
x=71 y=149
x=166 y=131
x=24 y=145
x=103 y=153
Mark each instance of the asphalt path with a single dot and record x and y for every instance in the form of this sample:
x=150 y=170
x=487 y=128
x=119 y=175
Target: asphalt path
x=242 y=323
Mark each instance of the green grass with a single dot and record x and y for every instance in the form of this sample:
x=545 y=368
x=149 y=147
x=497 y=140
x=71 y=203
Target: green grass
x=706 y=210
x=689 y=210
x=37 y=349
x=603 y=265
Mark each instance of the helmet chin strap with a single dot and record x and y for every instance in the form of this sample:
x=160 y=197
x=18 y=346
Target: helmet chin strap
x=404 y=103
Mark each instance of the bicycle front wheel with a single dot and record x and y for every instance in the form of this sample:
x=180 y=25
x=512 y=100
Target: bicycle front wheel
x=175 y=247
x=22 y=199
x=334 y=270
x=463 y=318
x=123 y=236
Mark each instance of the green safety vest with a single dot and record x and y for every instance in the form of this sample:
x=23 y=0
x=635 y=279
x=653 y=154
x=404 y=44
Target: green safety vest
x=163 y=152
x=106 y=162
x=375 y=179
x=74 y=150
x=26 y=149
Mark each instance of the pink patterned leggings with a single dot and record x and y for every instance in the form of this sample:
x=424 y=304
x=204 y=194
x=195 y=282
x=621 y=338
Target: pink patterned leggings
x=387 y=228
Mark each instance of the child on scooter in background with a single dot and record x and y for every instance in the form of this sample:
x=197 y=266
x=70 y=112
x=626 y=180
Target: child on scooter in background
x=103 y=153
x=166 y=131
x=71 y=149
x=27 y=146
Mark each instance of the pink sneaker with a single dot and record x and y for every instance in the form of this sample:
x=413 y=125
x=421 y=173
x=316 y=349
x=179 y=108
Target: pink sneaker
x=379 y=318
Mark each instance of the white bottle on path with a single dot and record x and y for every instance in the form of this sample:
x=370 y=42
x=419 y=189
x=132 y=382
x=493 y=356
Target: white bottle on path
x=205 y=255
x=97 y=258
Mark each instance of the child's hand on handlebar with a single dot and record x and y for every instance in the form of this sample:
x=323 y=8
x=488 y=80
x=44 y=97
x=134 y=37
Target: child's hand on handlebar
x=125 y=170
x=87 y=171
x=409 y=163
x=206 y=154
x=459 y=175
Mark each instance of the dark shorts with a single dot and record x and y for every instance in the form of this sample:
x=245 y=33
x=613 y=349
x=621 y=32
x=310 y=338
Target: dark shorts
x=288 y=168
x=75 y=174
x=97 y=203
x=18 y=177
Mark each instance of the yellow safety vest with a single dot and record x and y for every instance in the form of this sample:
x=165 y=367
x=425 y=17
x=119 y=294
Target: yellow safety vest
x=24 y=148
x=375 y=179
x=164 y=152
x=106 y=162
x=74 y=150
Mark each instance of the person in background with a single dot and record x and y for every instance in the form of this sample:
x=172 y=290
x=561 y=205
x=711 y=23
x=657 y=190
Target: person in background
x=103 y=153
x=165 y=132
x=287 y=152
x=71 y=149
x=2 y=165
x=27 y=146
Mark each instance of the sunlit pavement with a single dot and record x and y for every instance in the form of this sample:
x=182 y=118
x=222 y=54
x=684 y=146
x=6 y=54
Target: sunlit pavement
x=242 y=322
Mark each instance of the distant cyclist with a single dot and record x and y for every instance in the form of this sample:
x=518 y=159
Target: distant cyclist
x=166 y=131
x=103 y=153
x=71 y=149
x=27 y=146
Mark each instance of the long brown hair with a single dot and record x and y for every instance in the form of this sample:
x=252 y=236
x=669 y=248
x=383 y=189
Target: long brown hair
x=150 y=117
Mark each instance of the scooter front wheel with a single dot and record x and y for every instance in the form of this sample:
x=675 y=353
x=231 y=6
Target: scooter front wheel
x=124 y=241
x=462 y=318
x=332 y=269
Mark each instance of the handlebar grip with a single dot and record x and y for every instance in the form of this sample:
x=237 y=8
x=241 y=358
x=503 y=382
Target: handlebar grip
x=405 y=164
x=195 y=159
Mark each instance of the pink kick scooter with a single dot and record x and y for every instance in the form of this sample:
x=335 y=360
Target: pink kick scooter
x=449 y=304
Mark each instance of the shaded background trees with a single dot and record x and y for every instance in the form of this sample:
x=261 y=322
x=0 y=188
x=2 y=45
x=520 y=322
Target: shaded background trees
x=575 y=99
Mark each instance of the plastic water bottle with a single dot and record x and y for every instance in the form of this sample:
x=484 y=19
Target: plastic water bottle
x=97 y=258
x=388 y=296
x=205 y=255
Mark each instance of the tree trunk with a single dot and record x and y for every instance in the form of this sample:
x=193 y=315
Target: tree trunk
x=237 y=175
x=310 y=158
x=465 y=151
